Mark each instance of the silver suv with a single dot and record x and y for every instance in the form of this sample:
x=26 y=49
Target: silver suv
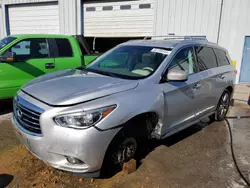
x=76 y=120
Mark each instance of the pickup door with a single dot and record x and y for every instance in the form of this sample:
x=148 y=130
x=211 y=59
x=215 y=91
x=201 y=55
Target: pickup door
x=67 y=53
x=32 y=60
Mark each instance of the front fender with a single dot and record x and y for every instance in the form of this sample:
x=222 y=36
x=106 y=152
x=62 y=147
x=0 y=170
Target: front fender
x=133 y=103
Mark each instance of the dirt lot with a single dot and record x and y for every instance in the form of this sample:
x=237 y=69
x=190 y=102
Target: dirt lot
x=199 y=156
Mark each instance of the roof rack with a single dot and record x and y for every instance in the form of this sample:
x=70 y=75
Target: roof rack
x=173 y=37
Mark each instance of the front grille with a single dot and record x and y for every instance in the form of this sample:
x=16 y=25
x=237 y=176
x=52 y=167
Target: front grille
x=27 y=118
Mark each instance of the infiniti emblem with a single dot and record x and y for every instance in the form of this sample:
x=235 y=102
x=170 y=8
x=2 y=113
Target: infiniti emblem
x=19 y=113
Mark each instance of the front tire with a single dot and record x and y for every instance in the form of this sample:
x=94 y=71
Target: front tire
x=122 y=149
x=223 y=106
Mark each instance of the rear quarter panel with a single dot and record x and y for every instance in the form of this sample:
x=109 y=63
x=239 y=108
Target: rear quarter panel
x=212 y=85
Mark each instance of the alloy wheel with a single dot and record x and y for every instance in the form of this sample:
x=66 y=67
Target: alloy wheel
x=223 y=106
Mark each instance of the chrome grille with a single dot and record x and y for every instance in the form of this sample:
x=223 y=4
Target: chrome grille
x=27 y=118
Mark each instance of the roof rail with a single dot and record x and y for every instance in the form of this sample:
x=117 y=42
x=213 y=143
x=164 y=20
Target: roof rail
x=173 y=37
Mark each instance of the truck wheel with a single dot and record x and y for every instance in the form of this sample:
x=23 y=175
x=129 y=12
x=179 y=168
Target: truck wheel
x=223 y=106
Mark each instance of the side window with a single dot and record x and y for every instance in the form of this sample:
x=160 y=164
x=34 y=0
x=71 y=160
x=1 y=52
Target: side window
x=184 y=60
x=222 y=58
x=22 y=48
x=44 y=48
x=30 y=49
x=64 y=48
x=205 y=58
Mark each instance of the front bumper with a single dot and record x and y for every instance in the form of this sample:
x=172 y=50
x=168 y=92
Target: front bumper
x=56 y=143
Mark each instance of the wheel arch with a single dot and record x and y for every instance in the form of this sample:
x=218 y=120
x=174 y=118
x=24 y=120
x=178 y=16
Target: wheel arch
x=230 y=89
x=145 y=121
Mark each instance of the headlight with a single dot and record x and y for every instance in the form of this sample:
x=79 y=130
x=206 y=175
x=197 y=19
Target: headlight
x=83 y=120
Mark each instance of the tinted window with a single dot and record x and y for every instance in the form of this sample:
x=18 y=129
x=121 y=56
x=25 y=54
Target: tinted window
x=222 y=58
x=229 y=59
x=64 y=48
x=6 y=41
x=184 y=60
x=30 y=49
x=205 y=58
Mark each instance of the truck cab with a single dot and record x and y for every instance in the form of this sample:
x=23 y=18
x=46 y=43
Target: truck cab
x=25 y=57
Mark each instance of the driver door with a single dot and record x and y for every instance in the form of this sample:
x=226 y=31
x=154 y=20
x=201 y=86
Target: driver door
x=181 y=98
x=32 y=60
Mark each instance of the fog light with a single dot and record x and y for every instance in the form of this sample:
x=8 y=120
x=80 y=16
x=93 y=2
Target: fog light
x=74 y=160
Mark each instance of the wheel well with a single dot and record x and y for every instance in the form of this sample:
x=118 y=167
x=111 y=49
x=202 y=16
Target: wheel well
x=230 y=89
x=145 y=122
x=141 y=125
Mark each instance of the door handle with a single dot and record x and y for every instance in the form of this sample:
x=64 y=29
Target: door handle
x=50 y=65
x=222 y=76
x=197 y=86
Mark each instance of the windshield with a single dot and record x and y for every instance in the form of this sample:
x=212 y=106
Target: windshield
x=6 y=41
x=129 y=62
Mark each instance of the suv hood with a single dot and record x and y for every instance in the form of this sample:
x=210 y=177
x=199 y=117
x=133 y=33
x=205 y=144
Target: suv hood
x=75 y=86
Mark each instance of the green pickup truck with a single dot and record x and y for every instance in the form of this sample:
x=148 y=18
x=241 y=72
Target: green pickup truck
x=24 y=57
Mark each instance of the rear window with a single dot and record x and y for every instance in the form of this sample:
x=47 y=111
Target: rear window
x=64 y=48
x=222 y=57
x=205 y=58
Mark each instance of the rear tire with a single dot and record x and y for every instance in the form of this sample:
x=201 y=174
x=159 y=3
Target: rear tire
x=223 y=106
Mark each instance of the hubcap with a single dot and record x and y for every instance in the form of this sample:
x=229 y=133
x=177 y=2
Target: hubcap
x=223 y=106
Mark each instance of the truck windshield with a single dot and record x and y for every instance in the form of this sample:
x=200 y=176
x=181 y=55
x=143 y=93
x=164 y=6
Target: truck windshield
x=129 y=62
x=6 y=41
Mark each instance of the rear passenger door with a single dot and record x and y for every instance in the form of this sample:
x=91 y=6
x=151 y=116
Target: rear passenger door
x=67 y=54
x=226 y=71
x=209 y=77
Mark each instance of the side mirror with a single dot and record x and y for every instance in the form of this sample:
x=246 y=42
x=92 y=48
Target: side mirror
x=8 y=57
x=177 y=75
